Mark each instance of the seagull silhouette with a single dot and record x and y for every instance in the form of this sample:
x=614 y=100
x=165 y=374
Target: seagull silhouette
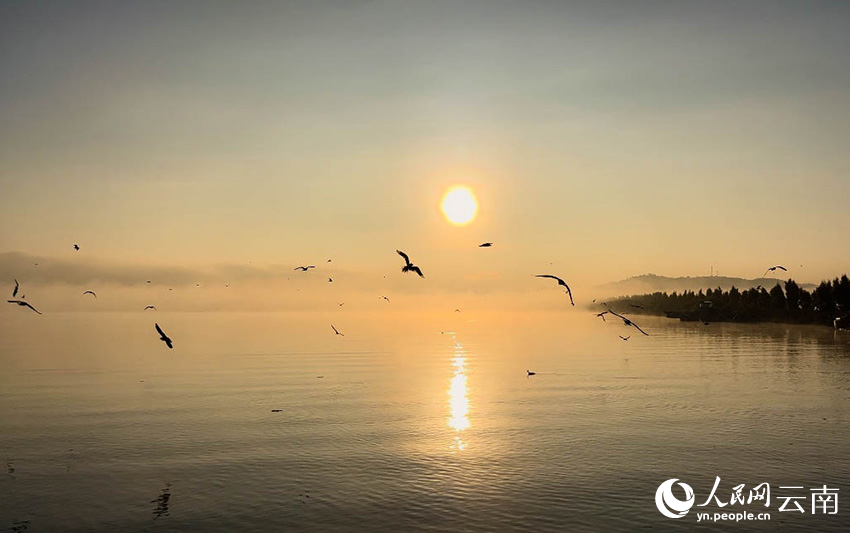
x=149 y=307
x=485 y=245
x=530 y=373
x=336 y=331
x=774 y=268
x=163 y=337
x=15 y=291
x=304 y=268
x=408 y=266
x=24 y=304
x=602 y=315
x=628 y=322
x=560 y=282
x=92 y=293
x=385 y=298
x=330 y=280
x=77 y=247
x=625 y=338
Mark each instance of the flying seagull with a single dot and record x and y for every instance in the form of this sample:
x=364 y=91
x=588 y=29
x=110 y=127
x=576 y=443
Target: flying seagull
x=92 y=293
x=163 y=337
x=149 y=307
x=77 y=247
x=24 y=304
x=15 y=292
x=385 y=298
x=625 y=338
x=408 y=266
x=485 y=245
x=304 y=268
x=336 y=331
x=628 y=322
x=560 y=282
x=602 y=315
x=774 y=268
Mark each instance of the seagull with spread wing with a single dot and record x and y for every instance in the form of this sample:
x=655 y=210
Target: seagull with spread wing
x=408 y=266
x=628 y=322
x=92 y=293
x=15 y=291
x=163 y=337
x=336 y=331
x=560 y=282
x=774 y=269
x=23 y=304
x=149 y=307
x=304 y=268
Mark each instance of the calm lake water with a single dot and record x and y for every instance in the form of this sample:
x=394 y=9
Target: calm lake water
x=399 y=427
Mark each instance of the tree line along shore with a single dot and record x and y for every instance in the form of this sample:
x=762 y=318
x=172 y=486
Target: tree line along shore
x=786 y=302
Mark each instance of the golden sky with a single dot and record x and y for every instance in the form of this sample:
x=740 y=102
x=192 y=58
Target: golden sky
x=601 y=139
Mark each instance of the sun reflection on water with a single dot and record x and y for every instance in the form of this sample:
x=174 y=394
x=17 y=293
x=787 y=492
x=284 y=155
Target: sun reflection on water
x=458 y=399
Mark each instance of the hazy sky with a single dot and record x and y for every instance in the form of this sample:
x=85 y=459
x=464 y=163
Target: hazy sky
x=608 y=138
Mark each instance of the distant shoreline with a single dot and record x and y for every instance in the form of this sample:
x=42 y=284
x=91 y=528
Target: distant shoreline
x=828 y=304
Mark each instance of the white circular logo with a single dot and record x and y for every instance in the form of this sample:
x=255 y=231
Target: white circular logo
x=665 y=501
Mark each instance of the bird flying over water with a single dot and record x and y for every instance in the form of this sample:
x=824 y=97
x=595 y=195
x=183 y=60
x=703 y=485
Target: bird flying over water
x=92 y=293
x=24 y=304
x=774 y=268
x=408 y=266
x=15 y=291
x=602 y=315
x=337 y=332
x=485 y=245
x=149 y=307
x=628 y=322
x=163 y=337
x=385 y=298
x=77 y=247
x=304 y=268
x=560 y=282
x=625 y=338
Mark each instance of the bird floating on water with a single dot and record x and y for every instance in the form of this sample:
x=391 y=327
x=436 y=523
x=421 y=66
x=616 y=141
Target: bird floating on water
x=408 y=266
x=163 y=337
x=92 y=293
x=560 y=282
x=485 y=245
x=530 y=373
x=24 y=304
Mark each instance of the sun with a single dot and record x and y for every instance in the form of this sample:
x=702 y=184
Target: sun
x=459 y=205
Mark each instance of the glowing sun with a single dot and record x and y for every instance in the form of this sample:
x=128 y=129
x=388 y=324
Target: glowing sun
x=459 y=205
